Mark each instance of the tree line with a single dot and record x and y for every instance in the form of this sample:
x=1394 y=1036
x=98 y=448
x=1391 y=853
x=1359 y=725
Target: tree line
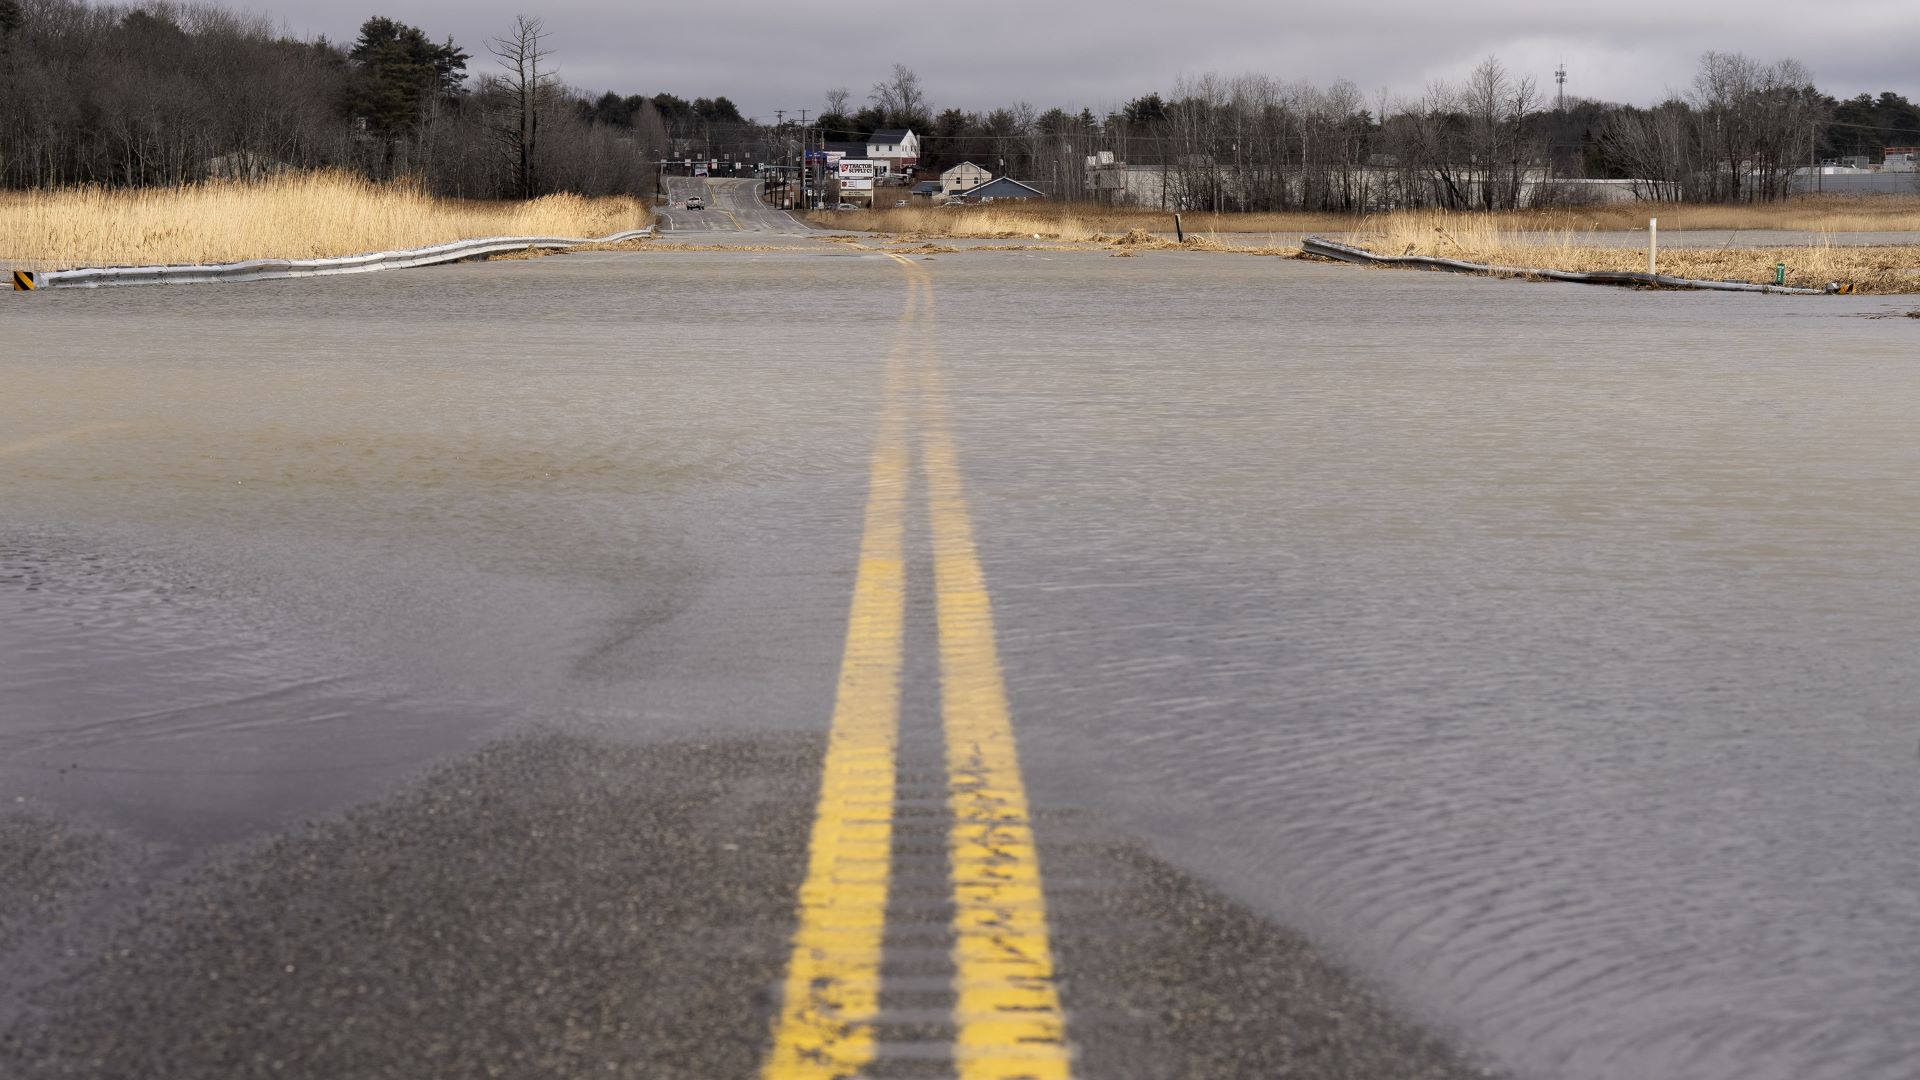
x=1494 y=140
x=167 y=94
x=172 y=93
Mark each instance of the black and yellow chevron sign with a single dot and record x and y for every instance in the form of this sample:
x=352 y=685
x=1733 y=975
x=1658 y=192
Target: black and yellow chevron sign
x=24 y=281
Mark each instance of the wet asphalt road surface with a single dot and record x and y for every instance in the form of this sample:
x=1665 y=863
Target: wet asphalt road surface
x=428 y=674
x=732 y=206
x=557 y=906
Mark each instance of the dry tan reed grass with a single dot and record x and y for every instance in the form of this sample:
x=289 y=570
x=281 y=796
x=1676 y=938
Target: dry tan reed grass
x=1482 y=239
x=1519 y=240
x=1064 y=221
x=1810 y=213
x=1060 y=221
x=1548 y=240
x=297 y=216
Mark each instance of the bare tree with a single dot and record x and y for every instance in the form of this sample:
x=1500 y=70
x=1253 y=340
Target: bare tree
x=1497 y=107
x=1753 y=125
x=1656 y=149
x=900 y=98
x=837 y=101
x=522 y=53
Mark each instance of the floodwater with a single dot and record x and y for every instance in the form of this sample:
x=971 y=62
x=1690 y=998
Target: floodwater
x=260 y=557
x=1544 y=651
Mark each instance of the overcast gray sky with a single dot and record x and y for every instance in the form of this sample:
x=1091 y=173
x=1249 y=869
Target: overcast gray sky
x=976 y=54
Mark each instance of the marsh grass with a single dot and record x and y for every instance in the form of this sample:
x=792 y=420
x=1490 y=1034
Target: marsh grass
x=1057 y=221
x=1482 y=239
x=1547 y=240
x=1074 y=222
x=293 y=216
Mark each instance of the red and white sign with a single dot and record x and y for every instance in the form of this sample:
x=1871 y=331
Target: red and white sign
x=855 y=175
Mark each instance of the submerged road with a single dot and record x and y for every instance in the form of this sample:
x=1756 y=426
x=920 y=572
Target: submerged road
x=790 y=657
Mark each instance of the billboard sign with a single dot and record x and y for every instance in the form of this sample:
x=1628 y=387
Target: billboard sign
x=855 y=175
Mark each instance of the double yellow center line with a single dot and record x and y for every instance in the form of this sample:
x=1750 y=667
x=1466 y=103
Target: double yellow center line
x=1007 y=1022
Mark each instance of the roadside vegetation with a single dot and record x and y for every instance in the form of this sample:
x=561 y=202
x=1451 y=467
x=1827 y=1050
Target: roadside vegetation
x=1484 y=239
x=1065 y=221
x=165 y=94
x=1543 y=239
x=292 y=215
x=1074 y=222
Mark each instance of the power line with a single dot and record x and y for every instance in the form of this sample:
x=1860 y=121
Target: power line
x=1870 y=127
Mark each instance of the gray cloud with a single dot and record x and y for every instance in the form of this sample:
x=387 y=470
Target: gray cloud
x=993 y=52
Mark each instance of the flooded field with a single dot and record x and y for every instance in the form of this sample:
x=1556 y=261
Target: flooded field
x=1543 y=652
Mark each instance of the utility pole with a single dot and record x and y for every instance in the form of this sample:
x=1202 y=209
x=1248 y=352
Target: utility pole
x=780 y=125
x=1813 y=159
x=805 y=178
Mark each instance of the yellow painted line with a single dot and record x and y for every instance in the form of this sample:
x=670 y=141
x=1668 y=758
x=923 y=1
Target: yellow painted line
x=1007 y=1015
x=832 y=991
x=27 y=446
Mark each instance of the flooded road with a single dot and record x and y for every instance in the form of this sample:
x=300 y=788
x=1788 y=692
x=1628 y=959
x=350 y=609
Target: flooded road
x=1546 y=650
x=1543 y=653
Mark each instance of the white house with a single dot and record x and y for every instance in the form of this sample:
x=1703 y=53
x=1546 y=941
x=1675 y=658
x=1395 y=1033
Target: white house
x=963 y=177
x=897 y=149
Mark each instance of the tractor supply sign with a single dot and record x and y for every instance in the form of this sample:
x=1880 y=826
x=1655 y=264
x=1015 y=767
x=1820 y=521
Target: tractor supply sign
x=856 y=175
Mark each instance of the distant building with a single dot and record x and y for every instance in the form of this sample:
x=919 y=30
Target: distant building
x=1119 y=183
x=1001 y=190
x=1106 y=177
x=1902 y=159
x=927 y=189
x=963 y=178
x=894 y=151
x=836 y=151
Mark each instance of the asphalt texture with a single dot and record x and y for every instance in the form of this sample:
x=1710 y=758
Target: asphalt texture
x=44 y=866
x=732 y=206
x=555 y=906
x=546 y=907
x=430 y=674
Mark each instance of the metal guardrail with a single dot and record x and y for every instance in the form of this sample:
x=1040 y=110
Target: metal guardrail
x=274 y=269
x=1329 y=249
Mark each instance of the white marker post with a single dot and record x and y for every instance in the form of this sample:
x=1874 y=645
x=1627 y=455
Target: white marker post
x=1653 y=245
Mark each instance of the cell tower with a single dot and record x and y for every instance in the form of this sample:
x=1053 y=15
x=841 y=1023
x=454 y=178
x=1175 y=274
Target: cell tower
x=1560 y=80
